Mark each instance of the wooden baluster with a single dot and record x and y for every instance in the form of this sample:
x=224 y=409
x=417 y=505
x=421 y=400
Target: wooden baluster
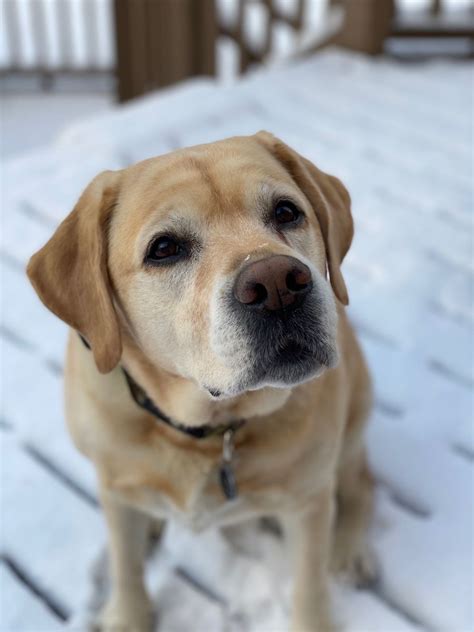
x=62 y=12
x=13 y=33
x=299 y=14
x=36 y=11
x=435 y=7
x=91 y=32
x=240 y=37
x=267 y=46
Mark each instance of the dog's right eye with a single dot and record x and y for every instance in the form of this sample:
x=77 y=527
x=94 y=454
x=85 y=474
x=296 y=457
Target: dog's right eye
x=164 y=249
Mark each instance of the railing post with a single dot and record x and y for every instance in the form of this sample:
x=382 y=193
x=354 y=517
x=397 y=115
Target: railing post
x=366 y=25
x=160 y=42
x=435 y=7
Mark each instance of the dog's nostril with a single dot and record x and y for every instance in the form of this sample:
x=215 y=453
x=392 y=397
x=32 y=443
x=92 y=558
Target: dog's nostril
x=255 y=294
x=298 y=280
x=250 y=292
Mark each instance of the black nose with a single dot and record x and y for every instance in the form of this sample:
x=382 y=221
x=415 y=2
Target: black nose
x=276 y=283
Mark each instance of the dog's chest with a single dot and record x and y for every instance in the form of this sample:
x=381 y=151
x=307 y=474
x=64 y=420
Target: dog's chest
x=198 y=504
x=204 y=508
x=168 y=484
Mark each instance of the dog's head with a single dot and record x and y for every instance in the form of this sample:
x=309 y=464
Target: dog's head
x=213 y=258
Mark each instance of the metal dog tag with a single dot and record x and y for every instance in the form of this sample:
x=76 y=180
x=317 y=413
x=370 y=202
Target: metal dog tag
x=226 y=471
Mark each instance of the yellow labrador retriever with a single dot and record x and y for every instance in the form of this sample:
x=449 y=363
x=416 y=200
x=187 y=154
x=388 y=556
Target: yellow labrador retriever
x=212 y=374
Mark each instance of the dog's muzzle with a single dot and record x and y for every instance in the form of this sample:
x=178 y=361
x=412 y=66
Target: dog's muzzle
x=285 y=316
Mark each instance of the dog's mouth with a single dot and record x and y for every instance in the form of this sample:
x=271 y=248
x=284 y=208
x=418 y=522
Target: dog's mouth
x=287 y=365
x=292 y=352
x=291 y=364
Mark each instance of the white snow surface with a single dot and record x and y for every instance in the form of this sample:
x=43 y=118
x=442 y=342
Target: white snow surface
x=400 y=137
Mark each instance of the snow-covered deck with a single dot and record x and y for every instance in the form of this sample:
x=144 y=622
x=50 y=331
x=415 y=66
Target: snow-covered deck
x=401 y=139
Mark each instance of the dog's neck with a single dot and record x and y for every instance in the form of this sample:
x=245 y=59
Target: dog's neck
x=185 y=402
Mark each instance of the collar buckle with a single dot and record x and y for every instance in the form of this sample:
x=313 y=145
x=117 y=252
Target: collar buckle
x=226 y=470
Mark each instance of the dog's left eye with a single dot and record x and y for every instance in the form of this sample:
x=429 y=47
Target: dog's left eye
x=164 y=249
x=286 y=212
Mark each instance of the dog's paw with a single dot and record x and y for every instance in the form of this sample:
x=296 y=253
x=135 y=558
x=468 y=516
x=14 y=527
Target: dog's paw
x=126 y=617
x=314 y=624
x=358 y=568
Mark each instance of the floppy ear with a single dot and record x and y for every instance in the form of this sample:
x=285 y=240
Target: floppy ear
x=70 y=272
x=330 y=201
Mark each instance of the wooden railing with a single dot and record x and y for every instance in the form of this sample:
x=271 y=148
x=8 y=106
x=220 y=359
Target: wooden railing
x=162 y=42
x=47 y=38
x=154 y=43
x=361 y=25
x=436 y=21
x=255 y=50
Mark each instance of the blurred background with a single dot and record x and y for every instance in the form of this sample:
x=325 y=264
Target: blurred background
x=378 y=92
x=63 y=59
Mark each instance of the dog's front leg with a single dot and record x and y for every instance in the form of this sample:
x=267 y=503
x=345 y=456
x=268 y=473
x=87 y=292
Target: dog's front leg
x=128 y=608
x=310 y=534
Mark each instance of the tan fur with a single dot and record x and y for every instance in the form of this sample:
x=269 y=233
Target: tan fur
x=302 y=445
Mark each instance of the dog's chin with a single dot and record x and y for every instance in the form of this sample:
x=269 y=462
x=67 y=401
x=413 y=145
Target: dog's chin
x=292 y=364
x=289 y=366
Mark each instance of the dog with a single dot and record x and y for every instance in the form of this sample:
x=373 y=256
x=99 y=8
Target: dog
x=212 y=375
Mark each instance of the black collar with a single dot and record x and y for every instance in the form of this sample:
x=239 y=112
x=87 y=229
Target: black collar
x=198 y=432
x=226 y=431
x=142 y=399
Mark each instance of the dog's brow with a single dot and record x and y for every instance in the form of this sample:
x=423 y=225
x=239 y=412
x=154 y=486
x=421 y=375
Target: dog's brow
x=270 y=191
x=195 y=163
x=178 y=223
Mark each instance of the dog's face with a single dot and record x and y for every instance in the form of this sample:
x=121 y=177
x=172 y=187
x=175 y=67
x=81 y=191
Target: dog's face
x=214 y=258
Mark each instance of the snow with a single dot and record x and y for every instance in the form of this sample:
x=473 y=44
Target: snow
x=44 y=527
x=31 y=119
x=400 y=137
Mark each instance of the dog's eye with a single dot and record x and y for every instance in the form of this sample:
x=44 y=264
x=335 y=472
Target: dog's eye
x=286 y=212
x=164 y=248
